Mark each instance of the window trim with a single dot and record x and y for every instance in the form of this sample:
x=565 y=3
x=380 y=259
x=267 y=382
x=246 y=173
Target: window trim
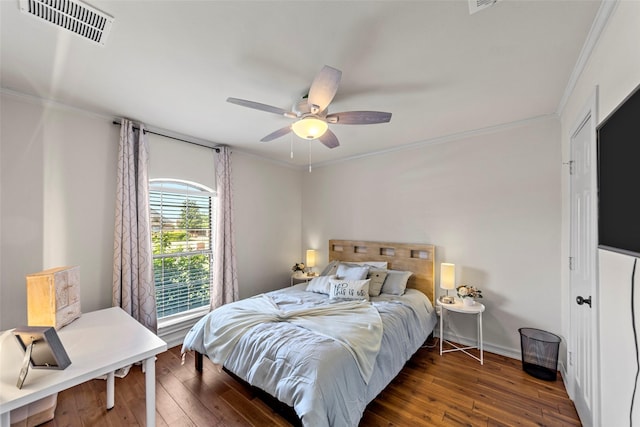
x=183 y=316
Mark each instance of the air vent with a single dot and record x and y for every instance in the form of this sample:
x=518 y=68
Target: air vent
x=478 y=5
x=72 y=15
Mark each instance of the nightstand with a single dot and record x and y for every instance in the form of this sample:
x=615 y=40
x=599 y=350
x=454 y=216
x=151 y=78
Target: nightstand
x=299 y=277
x=458 y=307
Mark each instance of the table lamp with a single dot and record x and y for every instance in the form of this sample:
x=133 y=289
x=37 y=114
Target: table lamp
x=311 y=260
x=447 y=281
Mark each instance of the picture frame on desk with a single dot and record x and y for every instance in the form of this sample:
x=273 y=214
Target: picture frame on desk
x=43 y=350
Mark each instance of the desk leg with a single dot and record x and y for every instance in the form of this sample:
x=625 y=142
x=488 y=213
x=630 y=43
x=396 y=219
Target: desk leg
x=5 y=419
x=111 y=381
x=150 y=388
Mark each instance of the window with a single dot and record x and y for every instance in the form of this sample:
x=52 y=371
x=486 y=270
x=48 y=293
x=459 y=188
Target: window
x=181 y=232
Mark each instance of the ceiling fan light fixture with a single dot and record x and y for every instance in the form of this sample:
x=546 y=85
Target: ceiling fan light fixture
x=311 y=112
x=309 y=128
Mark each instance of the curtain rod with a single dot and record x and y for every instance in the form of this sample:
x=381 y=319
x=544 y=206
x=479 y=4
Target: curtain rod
x=115 y=122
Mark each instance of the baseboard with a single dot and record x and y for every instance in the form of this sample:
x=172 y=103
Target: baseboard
x=565 y=379
x=173 y=334
x=489 y=347
x=174 y=338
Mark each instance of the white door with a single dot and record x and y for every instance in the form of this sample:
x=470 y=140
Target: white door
x=583 y=357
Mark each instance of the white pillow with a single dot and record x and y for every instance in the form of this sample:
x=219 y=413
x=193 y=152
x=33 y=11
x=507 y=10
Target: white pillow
x=376 y=264
x=396 y=282
x=346 y=271
x=342 y=289
x=320 y=284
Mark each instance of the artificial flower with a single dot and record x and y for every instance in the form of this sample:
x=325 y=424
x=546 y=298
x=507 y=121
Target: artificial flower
x=466 y=291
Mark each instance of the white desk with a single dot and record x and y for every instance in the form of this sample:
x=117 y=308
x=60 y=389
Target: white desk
x=459 y=307
x=98 y=343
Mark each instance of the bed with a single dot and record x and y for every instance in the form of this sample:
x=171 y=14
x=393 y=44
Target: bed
x=328 y=348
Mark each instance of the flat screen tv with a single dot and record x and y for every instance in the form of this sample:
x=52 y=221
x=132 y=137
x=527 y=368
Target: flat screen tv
x=619 y=178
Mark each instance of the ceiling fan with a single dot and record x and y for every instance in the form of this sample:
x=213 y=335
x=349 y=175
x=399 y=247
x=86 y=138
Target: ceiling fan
x=311 y=113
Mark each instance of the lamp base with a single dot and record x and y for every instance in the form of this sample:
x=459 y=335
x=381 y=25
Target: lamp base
x=447 y=299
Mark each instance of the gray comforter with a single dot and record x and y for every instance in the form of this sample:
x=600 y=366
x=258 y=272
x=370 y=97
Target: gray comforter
x=308 y=367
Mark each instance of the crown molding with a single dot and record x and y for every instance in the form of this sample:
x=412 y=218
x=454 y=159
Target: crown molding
x=443 y=139
x=597 y=27
x=50 y=103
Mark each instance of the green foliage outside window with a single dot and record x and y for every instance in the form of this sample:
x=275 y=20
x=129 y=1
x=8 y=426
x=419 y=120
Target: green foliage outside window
x=181 y=238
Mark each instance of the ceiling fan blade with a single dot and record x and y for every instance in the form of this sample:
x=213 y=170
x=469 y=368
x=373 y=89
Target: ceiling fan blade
x=262 y=107
x=276 y=134
x=323 y=89
x=329 y=139
x=359 y=117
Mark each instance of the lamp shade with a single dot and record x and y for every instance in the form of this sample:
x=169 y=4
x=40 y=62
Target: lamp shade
x=447 y=275
x=311 y=258
x=309 y=128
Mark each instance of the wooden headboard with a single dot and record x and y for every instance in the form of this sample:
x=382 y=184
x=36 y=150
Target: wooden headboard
x=415 y=257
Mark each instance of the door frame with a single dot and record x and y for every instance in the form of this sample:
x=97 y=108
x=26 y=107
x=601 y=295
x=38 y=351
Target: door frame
x=589 y=111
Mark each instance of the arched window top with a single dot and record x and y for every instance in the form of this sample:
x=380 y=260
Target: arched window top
x=179 y=186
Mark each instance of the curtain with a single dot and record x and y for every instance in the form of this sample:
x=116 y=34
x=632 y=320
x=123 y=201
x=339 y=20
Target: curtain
x=133 y=283
x=225 y=281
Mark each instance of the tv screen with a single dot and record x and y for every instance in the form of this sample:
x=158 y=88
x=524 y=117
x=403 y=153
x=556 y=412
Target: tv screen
x=619 y=178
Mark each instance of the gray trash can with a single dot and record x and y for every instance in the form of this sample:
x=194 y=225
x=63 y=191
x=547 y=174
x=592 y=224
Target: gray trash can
x=539 y=353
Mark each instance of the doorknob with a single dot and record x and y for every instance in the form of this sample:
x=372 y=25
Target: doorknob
x=581 y=300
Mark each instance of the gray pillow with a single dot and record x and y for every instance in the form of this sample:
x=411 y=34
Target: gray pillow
x=330 y=269
x=396 y=282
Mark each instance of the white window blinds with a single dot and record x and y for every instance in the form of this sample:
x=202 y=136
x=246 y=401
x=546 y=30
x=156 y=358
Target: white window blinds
x=182 y=217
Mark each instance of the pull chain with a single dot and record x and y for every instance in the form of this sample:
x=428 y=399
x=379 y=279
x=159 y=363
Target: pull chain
x=309 y=156
x=291 y=141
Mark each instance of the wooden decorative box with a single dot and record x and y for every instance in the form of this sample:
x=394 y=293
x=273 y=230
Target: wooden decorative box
x=53 y=297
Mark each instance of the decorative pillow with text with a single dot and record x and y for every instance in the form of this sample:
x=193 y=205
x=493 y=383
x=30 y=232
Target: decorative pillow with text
x=343 y=289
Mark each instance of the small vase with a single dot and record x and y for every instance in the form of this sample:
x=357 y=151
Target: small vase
x=468 y=301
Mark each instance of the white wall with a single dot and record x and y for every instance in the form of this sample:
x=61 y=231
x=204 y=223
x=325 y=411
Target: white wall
x=57 y=204
x=21 y=224
x=196 y=163
x=268 y=222
x=614 y=67
x=58 y=195
x=489 y=202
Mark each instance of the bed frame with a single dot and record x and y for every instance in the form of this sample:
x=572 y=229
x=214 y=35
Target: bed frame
x=415 y=257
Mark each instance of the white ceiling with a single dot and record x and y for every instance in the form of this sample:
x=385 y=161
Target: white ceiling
x=438 y=69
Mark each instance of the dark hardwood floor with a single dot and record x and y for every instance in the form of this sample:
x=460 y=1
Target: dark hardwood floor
x=452 y=390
